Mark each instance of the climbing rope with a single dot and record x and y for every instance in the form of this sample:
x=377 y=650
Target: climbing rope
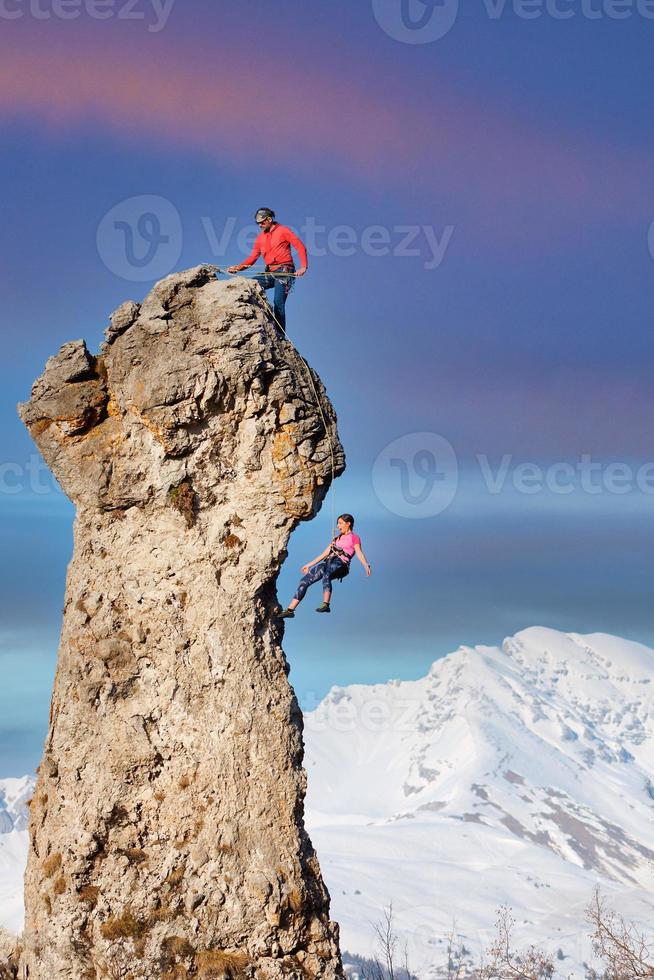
x=279 y=275
x=255 y=275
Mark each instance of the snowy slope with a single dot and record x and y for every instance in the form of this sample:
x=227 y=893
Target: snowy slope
x=14 y=794
x=517 y=775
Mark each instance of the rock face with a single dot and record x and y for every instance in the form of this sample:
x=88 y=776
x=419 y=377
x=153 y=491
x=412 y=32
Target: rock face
x=167 y=835
x=8 y=955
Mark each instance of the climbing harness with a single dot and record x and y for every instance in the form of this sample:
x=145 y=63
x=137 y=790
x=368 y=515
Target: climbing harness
x=339 y=552
x=311 y=381
x=336 y=552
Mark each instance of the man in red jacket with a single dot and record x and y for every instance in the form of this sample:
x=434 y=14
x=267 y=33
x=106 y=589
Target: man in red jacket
x=274 y=243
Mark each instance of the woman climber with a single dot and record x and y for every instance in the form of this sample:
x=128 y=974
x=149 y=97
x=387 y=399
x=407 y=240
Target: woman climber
x=333 y=563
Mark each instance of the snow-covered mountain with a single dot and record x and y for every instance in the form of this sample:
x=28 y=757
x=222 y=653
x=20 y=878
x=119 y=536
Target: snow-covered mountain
x=14 y=794
x=518 y=775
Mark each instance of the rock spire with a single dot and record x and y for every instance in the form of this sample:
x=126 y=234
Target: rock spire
x=167 y=836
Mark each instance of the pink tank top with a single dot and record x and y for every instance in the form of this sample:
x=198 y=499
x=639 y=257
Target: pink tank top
x=347 y=544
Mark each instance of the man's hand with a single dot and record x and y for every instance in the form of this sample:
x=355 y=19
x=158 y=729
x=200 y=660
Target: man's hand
x=235 y=268
x=305 y=569
x=300 y=272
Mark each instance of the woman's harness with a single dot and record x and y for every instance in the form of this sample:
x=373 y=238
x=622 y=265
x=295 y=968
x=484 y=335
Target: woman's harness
x=340 y=553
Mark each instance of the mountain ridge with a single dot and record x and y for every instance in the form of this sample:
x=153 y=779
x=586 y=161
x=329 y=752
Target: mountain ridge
x=520 y=768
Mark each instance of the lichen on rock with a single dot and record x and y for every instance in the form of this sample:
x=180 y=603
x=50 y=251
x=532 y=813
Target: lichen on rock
x=167 y=837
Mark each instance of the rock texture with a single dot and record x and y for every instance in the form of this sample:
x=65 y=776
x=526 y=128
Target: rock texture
x=8 y=955
x=167 y=835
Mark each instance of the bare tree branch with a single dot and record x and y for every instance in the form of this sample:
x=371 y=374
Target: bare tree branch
x=626 y=953
x=504 y=964
x=387 y=940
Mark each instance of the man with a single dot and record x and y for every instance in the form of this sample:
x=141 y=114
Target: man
x=274 y=243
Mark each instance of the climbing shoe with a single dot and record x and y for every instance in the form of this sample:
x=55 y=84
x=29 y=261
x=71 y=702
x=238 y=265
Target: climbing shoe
x=287 y=614
x=324 y=607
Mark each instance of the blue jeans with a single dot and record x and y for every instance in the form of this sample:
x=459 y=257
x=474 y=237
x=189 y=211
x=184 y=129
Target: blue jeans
x=282 y=287
x=326 y=570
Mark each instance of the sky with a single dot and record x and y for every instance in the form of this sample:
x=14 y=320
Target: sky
x=475 y=183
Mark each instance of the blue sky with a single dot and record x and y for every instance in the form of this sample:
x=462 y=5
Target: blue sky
x=524 y=145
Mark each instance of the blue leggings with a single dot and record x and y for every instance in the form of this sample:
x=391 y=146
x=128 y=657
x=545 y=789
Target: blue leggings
x=328 y=569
